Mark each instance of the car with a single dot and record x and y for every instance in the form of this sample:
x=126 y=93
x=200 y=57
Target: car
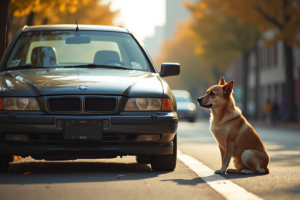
x=186 y=109
x=85 y=92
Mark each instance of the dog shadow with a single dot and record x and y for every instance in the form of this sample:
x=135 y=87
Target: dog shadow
x=198 y=180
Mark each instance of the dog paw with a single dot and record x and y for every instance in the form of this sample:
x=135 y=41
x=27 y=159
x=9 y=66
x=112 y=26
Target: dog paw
x=247 y=171
x=219 y=171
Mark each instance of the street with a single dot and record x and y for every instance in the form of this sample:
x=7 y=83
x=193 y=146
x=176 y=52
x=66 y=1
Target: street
x=125 y=179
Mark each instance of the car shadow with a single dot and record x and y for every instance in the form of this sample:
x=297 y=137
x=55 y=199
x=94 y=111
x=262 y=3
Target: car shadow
x=71 y=172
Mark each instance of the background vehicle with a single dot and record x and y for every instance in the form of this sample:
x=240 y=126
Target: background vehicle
x=70 y=92
x=186 y=109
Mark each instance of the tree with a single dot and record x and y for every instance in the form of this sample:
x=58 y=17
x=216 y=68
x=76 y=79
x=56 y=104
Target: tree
x=94 y=12
x=281 y=16
x=222 y=39
x=4 y=4
x=181 y=49
x=37 y=12
x=48 y=8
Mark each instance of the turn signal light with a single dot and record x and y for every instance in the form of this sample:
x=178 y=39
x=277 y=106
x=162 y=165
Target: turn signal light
x=167 y=105
x=1 y=104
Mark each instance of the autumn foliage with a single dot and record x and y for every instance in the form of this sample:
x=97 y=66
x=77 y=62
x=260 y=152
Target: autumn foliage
x=94 y=12
x=49 y=8
x=282 y=17
x=183 y=50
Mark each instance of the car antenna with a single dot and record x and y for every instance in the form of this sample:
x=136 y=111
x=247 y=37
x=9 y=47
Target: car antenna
x=76 y=21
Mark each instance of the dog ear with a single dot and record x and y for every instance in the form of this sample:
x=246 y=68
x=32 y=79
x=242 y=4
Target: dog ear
x=222 y=81
x=228 y=87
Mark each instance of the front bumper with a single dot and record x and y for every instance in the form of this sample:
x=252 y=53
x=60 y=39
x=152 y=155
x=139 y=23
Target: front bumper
x=120 y=133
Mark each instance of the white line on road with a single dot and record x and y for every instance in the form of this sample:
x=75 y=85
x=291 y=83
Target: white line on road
x=226 y=188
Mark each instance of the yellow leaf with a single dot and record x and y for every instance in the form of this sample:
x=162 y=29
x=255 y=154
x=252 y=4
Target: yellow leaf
x=203 y=6
x=199 y=15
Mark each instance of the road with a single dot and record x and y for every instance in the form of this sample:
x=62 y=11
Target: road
x=125 y=179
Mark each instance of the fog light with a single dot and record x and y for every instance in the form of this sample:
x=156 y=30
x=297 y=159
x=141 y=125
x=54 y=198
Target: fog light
x=148 y=138
x=16 y=137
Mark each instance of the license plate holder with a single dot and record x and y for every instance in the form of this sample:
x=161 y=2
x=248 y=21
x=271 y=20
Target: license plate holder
x=79 y=129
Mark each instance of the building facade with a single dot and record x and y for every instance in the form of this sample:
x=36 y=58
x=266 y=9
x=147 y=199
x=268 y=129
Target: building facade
x=271 y=63
x=175 y=12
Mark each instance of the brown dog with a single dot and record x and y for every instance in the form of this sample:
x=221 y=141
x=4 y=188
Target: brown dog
x=235 y=136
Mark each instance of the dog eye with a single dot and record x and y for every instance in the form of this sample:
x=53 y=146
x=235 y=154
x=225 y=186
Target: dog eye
x=211 y=93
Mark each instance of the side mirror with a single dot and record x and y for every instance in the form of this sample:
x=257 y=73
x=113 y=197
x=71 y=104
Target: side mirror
x=169 y=69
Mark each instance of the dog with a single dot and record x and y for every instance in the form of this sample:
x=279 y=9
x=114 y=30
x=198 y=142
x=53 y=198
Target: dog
x=234 y=134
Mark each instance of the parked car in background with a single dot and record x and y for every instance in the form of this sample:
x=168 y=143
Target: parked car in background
x=186 y=109
x=74 y=92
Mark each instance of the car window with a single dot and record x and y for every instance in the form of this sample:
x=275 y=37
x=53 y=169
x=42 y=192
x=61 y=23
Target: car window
x=70 y=48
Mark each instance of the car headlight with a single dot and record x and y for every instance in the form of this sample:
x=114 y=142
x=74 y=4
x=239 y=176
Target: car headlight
x=143 y=104
x=22 y=103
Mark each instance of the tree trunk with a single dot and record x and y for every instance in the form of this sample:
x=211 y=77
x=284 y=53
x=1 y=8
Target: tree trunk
x=257 y=88
x=217 y=73
x=45 y=21
x=30 y=19
x=245 y=63
x=7 y=39
x=290 y=83
x=4 y=4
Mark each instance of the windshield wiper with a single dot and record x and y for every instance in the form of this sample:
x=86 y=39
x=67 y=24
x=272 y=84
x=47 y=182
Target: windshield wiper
x=26 y=67
x=98 y=66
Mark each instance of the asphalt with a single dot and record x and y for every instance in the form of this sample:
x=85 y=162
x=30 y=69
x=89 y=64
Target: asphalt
x=283 y=146
x=126 y=179
x=100 y=179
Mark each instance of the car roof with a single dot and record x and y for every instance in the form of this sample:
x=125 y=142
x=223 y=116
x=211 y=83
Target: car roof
x=73 y=27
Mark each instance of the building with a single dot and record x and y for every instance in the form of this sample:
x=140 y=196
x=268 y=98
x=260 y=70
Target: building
x=271 y=63
x=175 y=12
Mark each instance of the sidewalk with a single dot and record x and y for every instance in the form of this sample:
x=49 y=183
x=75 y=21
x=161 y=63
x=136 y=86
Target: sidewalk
x=286 y=125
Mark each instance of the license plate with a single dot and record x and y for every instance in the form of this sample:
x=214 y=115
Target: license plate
x=83 y=129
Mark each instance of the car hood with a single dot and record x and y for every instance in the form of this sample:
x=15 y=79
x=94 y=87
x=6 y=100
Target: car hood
x=41 y=82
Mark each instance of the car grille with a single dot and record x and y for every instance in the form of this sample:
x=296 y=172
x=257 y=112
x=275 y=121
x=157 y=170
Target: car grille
x=64 y=104
x=100 y=104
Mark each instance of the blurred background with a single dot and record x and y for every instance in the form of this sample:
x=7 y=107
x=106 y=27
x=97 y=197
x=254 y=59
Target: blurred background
x=255 y=42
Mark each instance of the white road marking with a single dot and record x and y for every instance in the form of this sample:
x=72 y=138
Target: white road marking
x=224 y=187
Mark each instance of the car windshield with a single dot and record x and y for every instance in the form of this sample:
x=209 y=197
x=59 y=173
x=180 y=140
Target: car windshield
x=59 y=49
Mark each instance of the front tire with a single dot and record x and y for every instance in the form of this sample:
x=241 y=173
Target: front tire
x=165 y=162
x=4 y=163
